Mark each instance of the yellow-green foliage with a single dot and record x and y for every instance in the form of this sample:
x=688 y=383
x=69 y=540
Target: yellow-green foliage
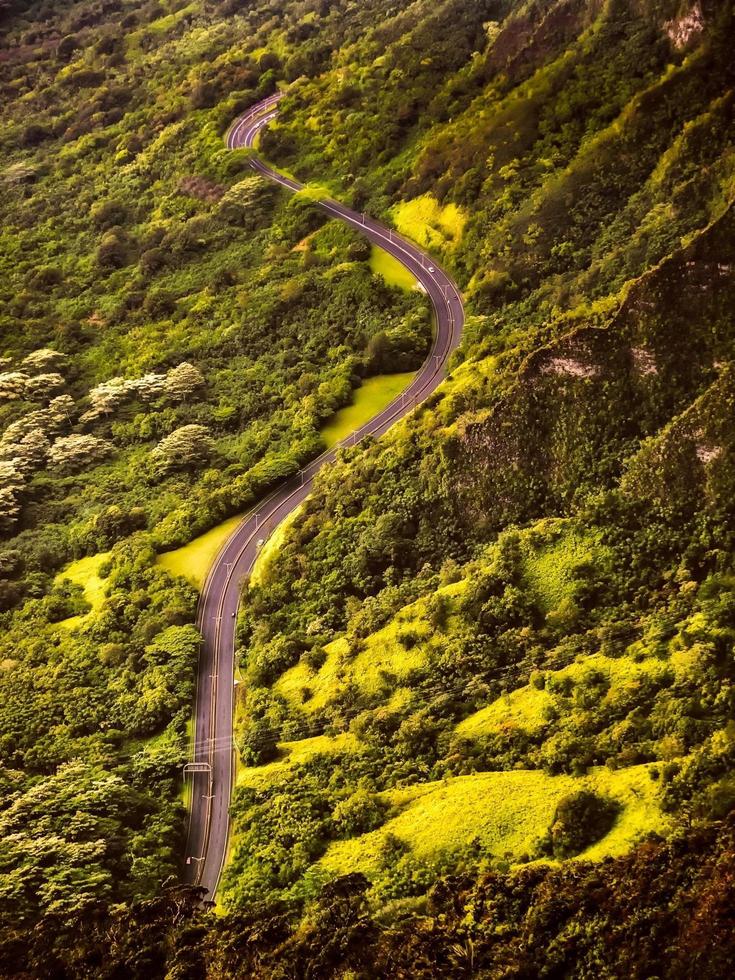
x=165 y=23
x=313 y=191
x=549 y=569
x=429 y=223
x=270 y=548
x=506 y=811
x=394 y=272
x=381 y=664
x=292 y=753
x=85 y=572
x=186 y=785
x=471 y=381
x=382 y=653
x=193 y=559
x=159 y=27
x=525 y=707
x=373 y=395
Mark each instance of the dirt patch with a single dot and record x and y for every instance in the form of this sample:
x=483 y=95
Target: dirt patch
x=201 y=188
x=569 y=366
x=644 y=361
x=705 y=454
x=683 y=29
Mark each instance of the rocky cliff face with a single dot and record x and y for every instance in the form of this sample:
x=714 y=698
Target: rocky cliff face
x=582 y=404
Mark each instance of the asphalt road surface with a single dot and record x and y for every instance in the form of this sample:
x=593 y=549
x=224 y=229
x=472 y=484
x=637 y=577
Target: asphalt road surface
x=214 y=754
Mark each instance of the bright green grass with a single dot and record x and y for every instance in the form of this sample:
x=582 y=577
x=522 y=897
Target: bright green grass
x=85 y=572
x=506 y=811
x=381 y=665
x=373 y=395
x=382 y=653
x=187 y=784
x=292 y=753
x=270 y=548
x=548 y=571
x=524 y=708
x=521 y=709
x=394 y=272
x=429 y=223
x=313 y=191
x=193 y=559
x=168 y=21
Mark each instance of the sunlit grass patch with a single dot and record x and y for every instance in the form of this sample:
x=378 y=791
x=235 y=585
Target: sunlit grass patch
x=187 y=784
x=373 y=395
x=549 y=569
x=193 y=560
x=292 y=753
x=525 y=707
x=381 y=663
x=159 y=27
x=429 y=223
x=383 y=659
x=270 y=548
x=165 y=23
x=393 y=272
x=85 y=572
x=507 y=812
x=313 y=191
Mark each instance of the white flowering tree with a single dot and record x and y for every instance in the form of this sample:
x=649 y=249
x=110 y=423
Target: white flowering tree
x=106 y=398
x=42 y=387
x=185 y=448
x=76 y=452
x=12 y=385
x=11 y=486
x=44 y=360
x=182 y=382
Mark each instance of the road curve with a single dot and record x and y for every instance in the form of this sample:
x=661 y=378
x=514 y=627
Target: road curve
x=213 y=758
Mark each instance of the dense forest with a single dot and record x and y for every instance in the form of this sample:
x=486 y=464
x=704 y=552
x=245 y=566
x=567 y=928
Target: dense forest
x=486 y=718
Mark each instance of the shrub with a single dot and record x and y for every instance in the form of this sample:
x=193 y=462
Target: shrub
x=185 y=448
x=581 y=819
x=258 y=744
x=315 y=658
x=108 y=214
x=408 y=638
x=34 y=134
x=359 y=813
x=112 y=252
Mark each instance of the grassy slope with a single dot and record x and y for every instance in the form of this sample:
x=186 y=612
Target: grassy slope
x=270 y=547
x=370 y=398
x=429 y=223
x=193 y=559
x=549 y=569
x=380 y=665
x=525 y=707
x=505 y=811
x=292 y=753
x=393 y=271
x=551 y=550
x=85 y=572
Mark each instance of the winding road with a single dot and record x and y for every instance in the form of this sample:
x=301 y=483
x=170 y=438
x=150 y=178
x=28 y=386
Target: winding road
x=212 y=768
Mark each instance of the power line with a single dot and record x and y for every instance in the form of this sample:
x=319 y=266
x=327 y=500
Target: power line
x=419 y=696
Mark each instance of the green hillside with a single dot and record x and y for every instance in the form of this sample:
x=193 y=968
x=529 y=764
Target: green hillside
x=484 y=722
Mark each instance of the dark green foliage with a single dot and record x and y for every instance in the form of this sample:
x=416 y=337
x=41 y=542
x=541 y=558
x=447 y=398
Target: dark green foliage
x=581 y=819
x=359 y=813
x=591 y=148
x=664 y=910
x=258 y=744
